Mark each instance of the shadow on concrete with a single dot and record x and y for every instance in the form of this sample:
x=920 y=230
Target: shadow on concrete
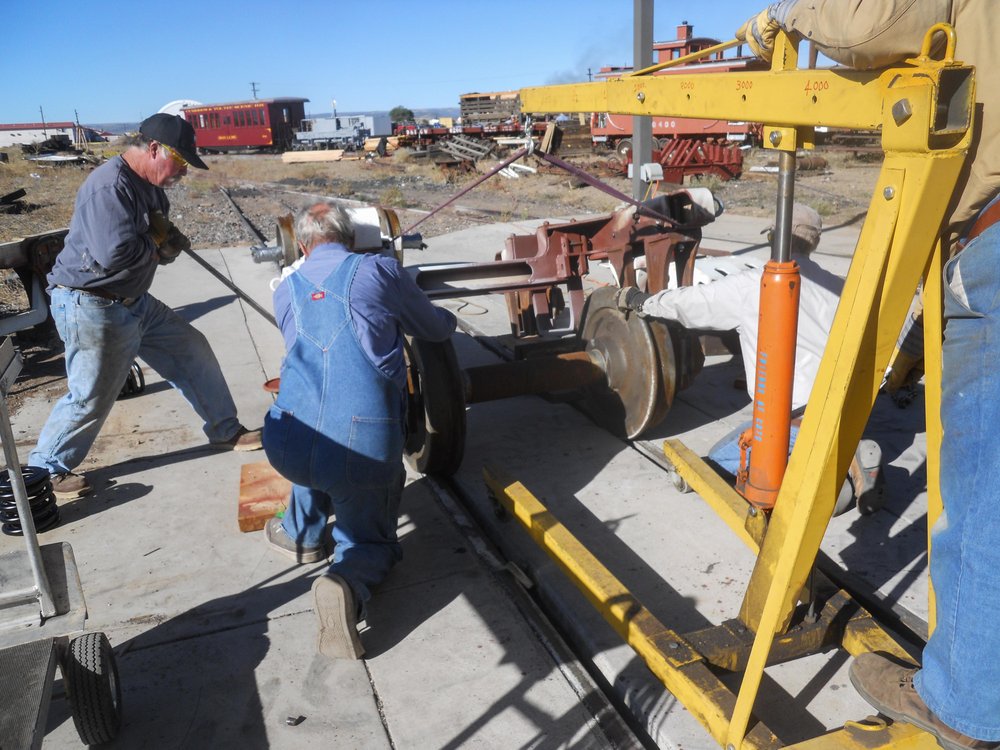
x=192 y=680
x=189 y=681
x=196 y=310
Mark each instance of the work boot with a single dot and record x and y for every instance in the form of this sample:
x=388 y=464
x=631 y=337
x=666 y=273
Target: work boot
x=888 y=687
x=70 y=486
x=338 y=618
x=277 y=539
x=243 y=440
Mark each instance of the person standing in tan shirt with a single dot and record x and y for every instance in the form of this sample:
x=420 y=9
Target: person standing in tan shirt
x=955 y=694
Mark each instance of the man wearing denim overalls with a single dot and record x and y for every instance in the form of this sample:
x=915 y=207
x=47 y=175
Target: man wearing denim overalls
x=336 y=428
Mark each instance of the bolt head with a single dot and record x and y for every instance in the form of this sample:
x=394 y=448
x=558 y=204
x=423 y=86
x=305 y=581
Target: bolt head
x=774 y=137
x=641 y=96
x=889 y=193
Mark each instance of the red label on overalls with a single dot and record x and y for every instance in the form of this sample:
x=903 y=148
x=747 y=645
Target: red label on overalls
x=318 y=295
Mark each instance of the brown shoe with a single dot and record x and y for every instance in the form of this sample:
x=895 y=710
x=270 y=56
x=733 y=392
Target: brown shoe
x=888 y=687
x=69 y=486
x=338 y=618
x=243 y=440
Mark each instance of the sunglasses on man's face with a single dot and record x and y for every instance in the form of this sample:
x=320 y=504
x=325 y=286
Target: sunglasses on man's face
x=179 y=160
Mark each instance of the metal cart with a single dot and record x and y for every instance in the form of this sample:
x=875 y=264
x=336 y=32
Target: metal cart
x=42 y=614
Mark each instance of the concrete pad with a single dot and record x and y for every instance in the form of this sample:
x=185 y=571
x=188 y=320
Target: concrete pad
x=214 y=633
x=669 y=549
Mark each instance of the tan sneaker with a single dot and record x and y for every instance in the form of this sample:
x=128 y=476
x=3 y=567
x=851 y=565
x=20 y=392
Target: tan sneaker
x=243 y=440
x=888 y=687
x=338 y=618
x=277 y=539
x=69 y=486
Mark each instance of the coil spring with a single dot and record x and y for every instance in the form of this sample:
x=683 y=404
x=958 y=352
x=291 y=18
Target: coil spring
x=41 y=501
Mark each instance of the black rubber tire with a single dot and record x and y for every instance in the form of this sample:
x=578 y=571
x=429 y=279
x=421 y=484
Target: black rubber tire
x=435 y=435
x=93 y=689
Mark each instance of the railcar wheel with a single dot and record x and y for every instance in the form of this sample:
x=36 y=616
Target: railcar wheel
x=624 y=147
x=639 y=365
x=435 y=421
x=92 y=686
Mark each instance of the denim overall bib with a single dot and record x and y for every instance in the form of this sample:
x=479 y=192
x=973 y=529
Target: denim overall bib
x=336 y=432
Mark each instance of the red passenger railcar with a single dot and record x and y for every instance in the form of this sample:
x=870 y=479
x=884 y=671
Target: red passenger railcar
x=268 y=124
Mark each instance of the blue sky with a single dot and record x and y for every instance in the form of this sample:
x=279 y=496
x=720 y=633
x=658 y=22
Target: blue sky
x=122 y=62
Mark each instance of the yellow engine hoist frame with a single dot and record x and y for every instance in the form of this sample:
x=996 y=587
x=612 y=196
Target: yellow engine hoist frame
x=924 y=110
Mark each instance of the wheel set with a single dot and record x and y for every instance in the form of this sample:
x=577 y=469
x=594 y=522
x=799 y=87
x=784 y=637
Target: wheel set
x=623 y=375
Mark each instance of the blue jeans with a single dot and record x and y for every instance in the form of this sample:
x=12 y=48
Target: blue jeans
x=960 y=679
x=102 y=338
x=365 y=512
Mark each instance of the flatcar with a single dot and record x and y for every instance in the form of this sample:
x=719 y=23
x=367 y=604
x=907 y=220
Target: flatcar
x=258 y=124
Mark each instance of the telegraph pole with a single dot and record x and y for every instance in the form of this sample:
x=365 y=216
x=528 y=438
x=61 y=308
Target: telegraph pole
x=253 y=88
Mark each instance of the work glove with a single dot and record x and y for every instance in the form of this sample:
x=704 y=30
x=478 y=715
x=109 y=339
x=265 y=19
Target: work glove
x=629 y=298
x=159 y=227
x=759 y=32
x=175 y=243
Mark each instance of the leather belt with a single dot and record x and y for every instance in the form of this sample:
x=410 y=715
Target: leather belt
x=985 y=219
x=103 y=295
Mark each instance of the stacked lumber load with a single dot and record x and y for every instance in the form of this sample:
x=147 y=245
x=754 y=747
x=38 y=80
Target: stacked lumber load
x=391 y=143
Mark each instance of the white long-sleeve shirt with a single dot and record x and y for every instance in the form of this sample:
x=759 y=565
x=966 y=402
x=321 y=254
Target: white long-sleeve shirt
x=733 y=303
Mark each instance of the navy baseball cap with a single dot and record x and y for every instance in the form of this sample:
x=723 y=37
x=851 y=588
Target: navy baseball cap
x=176 y=132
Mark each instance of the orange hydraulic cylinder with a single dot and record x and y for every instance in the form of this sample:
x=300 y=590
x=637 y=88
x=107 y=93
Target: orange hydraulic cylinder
x=772 y=402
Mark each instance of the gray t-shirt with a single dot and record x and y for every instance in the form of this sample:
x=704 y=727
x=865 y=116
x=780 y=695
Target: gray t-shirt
x=108 y=246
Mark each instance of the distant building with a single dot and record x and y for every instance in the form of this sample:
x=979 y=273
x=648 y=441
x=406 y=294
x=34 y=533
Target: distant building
x=24 y=133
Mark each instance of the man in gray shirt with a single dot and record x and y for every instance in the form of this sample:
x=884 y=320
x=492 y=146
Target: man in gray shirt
x=105 y=315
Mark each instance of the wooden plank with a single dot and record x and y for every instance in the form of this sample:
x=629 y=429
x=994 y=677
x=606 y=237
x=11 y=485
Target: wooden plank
x=263 y=492
x=300 y=157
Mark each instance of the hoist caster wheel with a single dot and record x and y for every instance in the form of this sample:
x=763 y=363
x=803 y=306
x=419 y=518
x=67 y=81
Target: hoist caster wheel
x=680 y=483
x=499 y=511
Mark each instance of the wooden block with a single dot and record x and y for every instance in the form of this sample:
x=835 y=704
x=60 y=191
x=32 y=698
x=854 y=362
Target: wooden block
x=263 y=492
